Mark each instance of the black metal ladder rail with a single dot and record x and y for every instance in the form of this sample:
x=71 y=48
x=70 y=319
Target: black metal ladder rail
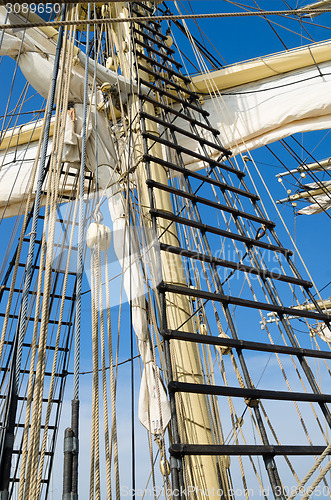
x=179 y=114
x=164 y=67
x=203 y=178
x=273 y=473
x=236 y=266
x=266 y=451
x=204 y=228
x=210 y=203
x=171 y=126
x=174 y=97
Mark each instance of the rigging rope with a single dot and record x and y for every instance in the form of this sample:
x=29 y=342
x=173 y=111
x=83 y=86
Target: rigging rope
x=117 y=20
x=311 y=472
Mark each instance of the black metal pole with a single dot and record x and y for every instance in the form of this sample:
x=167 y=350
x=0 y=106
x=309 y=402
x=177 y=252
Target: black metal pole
x=67 y=463
x=75 y=429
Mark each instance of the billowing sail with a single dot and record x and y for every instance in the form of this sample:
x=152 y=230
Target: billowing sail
x=252 y=115
x=262 y=101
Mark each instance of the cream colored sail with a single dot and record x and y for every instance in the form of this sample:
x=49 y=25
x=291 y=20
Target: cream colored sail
x=252 y=104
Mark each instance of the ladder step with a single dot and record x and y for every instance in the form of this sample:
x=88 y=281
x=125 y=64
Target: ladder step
x=221 y=232
x=171 y=83
x=245 y=450
x=21 y=426
x=33 y=292
x=62 y=196
x=174 y=97
x=198 y=199
x=70 y=273
x=252 y=304
x=37 y=242
x=238 y=392
x=57 y=245
x=156 y=52
x=171 y=71
x=145 y=14
x=244 y=344
x=24 y=398
x=48 y=348
x=50 y=321
x=17 y=479
x=18 y=452
x=47 y=374
x=149 y=28
x=264 y=273
x=169 y=50
x=200 y=139
x=71 y=174
x=145 y=7
x=201 y=177
x=181 y=115
x=189 y=152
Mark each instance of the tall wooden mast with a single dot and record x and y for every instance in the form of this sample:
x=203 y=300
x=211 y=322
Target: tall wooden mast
x=187 y=365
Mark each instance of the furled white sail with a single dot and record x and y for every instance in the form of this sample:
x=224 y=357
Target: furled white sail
x=319 y=5
x=248 y=116
x=252 y=115
x=34 y=50
x=318 y=204
x=318 y=194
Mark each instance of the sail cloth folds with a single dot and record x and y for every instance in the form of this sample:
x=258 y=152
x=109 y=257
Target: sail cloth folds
x=319 y=195
x=154 y=407
x=252 y=115
x=319 y=203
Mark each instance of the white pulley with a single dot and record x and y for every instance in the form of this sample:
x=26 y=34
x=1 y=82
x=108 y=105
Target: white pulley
x=203 y=329
x=169 y=41
x=98 y=234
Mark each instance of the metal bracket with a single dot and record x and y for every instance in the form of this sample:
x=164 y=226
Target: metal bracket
x=175 y=463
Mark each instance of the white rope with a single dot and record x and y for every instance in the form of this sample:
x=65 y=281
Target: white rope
x=317 y=481
x=310 y=473
x=116 y=20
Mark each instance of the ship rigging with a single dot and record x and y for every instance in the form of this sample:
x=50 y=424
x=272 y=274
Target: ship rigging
x=137 y=227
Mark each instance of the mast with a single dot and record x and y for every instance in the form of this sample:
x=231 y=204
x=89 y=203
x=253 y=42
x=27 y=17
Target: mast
x=187 y=360
x=175 y=294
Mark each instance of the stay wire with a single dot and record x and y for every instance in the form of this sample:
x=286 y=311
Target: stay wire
x=155 y=19
x=328 y=172
x=203 y=49
x=288 y=170
x=130 y=139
